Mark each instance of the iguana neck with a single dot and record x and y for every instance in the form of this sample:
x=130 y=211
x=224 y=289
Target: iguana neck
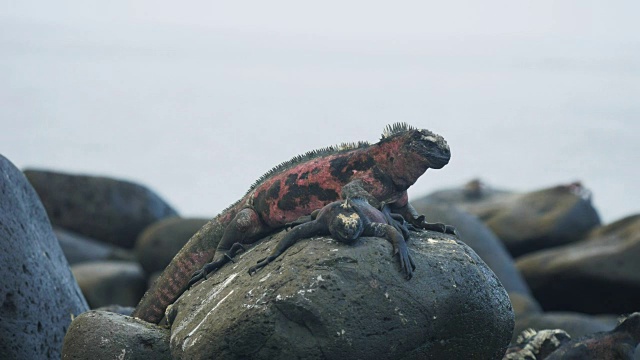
x=402 y=166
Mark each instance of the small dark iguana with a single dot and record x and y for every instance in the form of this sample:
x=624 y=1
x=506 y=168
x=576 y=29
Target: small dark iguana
x=380 y=173
x=346 y=221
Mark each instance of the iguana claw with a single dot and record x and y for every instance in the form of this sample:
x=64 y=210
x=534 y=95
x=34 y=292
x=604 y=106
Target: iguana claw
x=216 y=265
x=420 y=223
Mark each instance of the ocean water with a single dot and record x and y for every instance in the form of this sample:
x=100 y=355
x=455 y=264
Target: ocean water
x=197 y=101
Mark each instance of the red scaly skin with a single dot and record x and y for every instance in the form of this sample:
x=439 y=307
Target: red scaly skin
x=380 y=172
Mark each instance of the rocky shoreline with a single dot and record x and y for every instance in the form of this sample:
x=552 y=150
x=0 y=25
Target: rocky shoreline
x=79 y=252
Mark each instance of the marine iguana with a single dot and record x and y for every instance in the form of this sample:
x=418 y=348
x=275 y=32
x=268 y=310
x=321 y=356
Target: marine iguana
x=346 y=221
x=380 y=172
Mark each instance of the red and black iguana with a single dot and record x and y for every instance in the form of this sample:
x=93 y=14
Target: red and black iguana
x=381 y=173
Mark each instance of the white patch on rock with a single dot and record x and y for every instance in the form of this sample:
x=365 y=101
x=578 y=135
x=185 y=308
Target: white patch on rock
x=265 y=278
x=212 y=295
x=122 y=354
x=438 y=241
x=259 y=303
x=403 y=319
x=187 y=341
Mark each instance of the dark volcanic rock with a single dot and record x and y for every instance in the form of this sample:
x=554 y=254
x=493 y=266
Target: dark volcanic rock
x=575 y=324
x=111 y=282
x=160 y=242
x=105 y=209
x=78 y=248
x=38 y=294
x=619 y=343
x=595 y=276
x=484 y=242
x=326 y=300
x=98 y=335
x=535 y=220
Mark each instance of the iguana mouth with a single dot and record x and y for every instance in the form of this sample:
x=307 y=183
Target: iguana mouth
x=435 y=155
x=438 y=162
x=433 y=148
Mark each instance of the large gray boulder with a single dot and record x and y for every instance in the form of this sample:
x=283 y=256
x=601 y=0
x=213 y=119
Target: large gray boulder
x=526 y=222
x=105 y=209
x=106 y=283
x=38 y=296
x=161 y=241
x=102 y=335
x=598 y=275
x=79 y=249
x=326 y=300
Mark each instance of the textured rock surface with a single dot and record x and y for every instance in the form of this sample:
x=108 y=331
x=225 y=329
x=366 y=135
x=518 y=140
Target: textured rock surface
x=78 y=248
x=535 y=220
x=98 y=335
x=480 y=238
x=111 y=282
x=161 y=241
x=38 y=294
x=105 y=209
x=598 y=275
x=325 y=300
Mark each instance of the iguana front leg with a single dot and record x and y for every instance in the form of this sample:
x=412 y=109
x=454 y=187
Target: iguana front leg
x=408 y=212
x=214 y=266
x=301 y=231
x=397 y=241
x=397 y=221
x=301 y=220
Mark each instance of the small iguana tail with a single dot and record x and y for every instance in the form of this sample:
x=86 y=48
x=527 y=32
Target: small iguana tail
x=174 y=279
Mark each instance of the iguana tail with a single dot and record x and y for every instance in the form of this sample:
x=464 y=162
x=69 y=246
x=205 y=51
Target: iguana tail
x=174 y=279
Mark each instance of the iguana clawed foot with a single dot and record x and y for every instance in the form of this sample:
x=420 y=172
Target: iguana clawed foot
x=406 y=262
x=227 y=256
x=419 y=222
x=261 y=263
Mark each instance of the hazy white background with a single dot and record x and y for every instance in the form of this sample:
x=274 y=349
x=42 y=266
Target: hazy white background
x=196 y=99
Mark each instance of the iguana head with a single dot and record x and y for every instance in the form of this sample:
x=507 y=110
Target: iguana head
x=346 y=225
x=410 y=152
x=430 y=147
